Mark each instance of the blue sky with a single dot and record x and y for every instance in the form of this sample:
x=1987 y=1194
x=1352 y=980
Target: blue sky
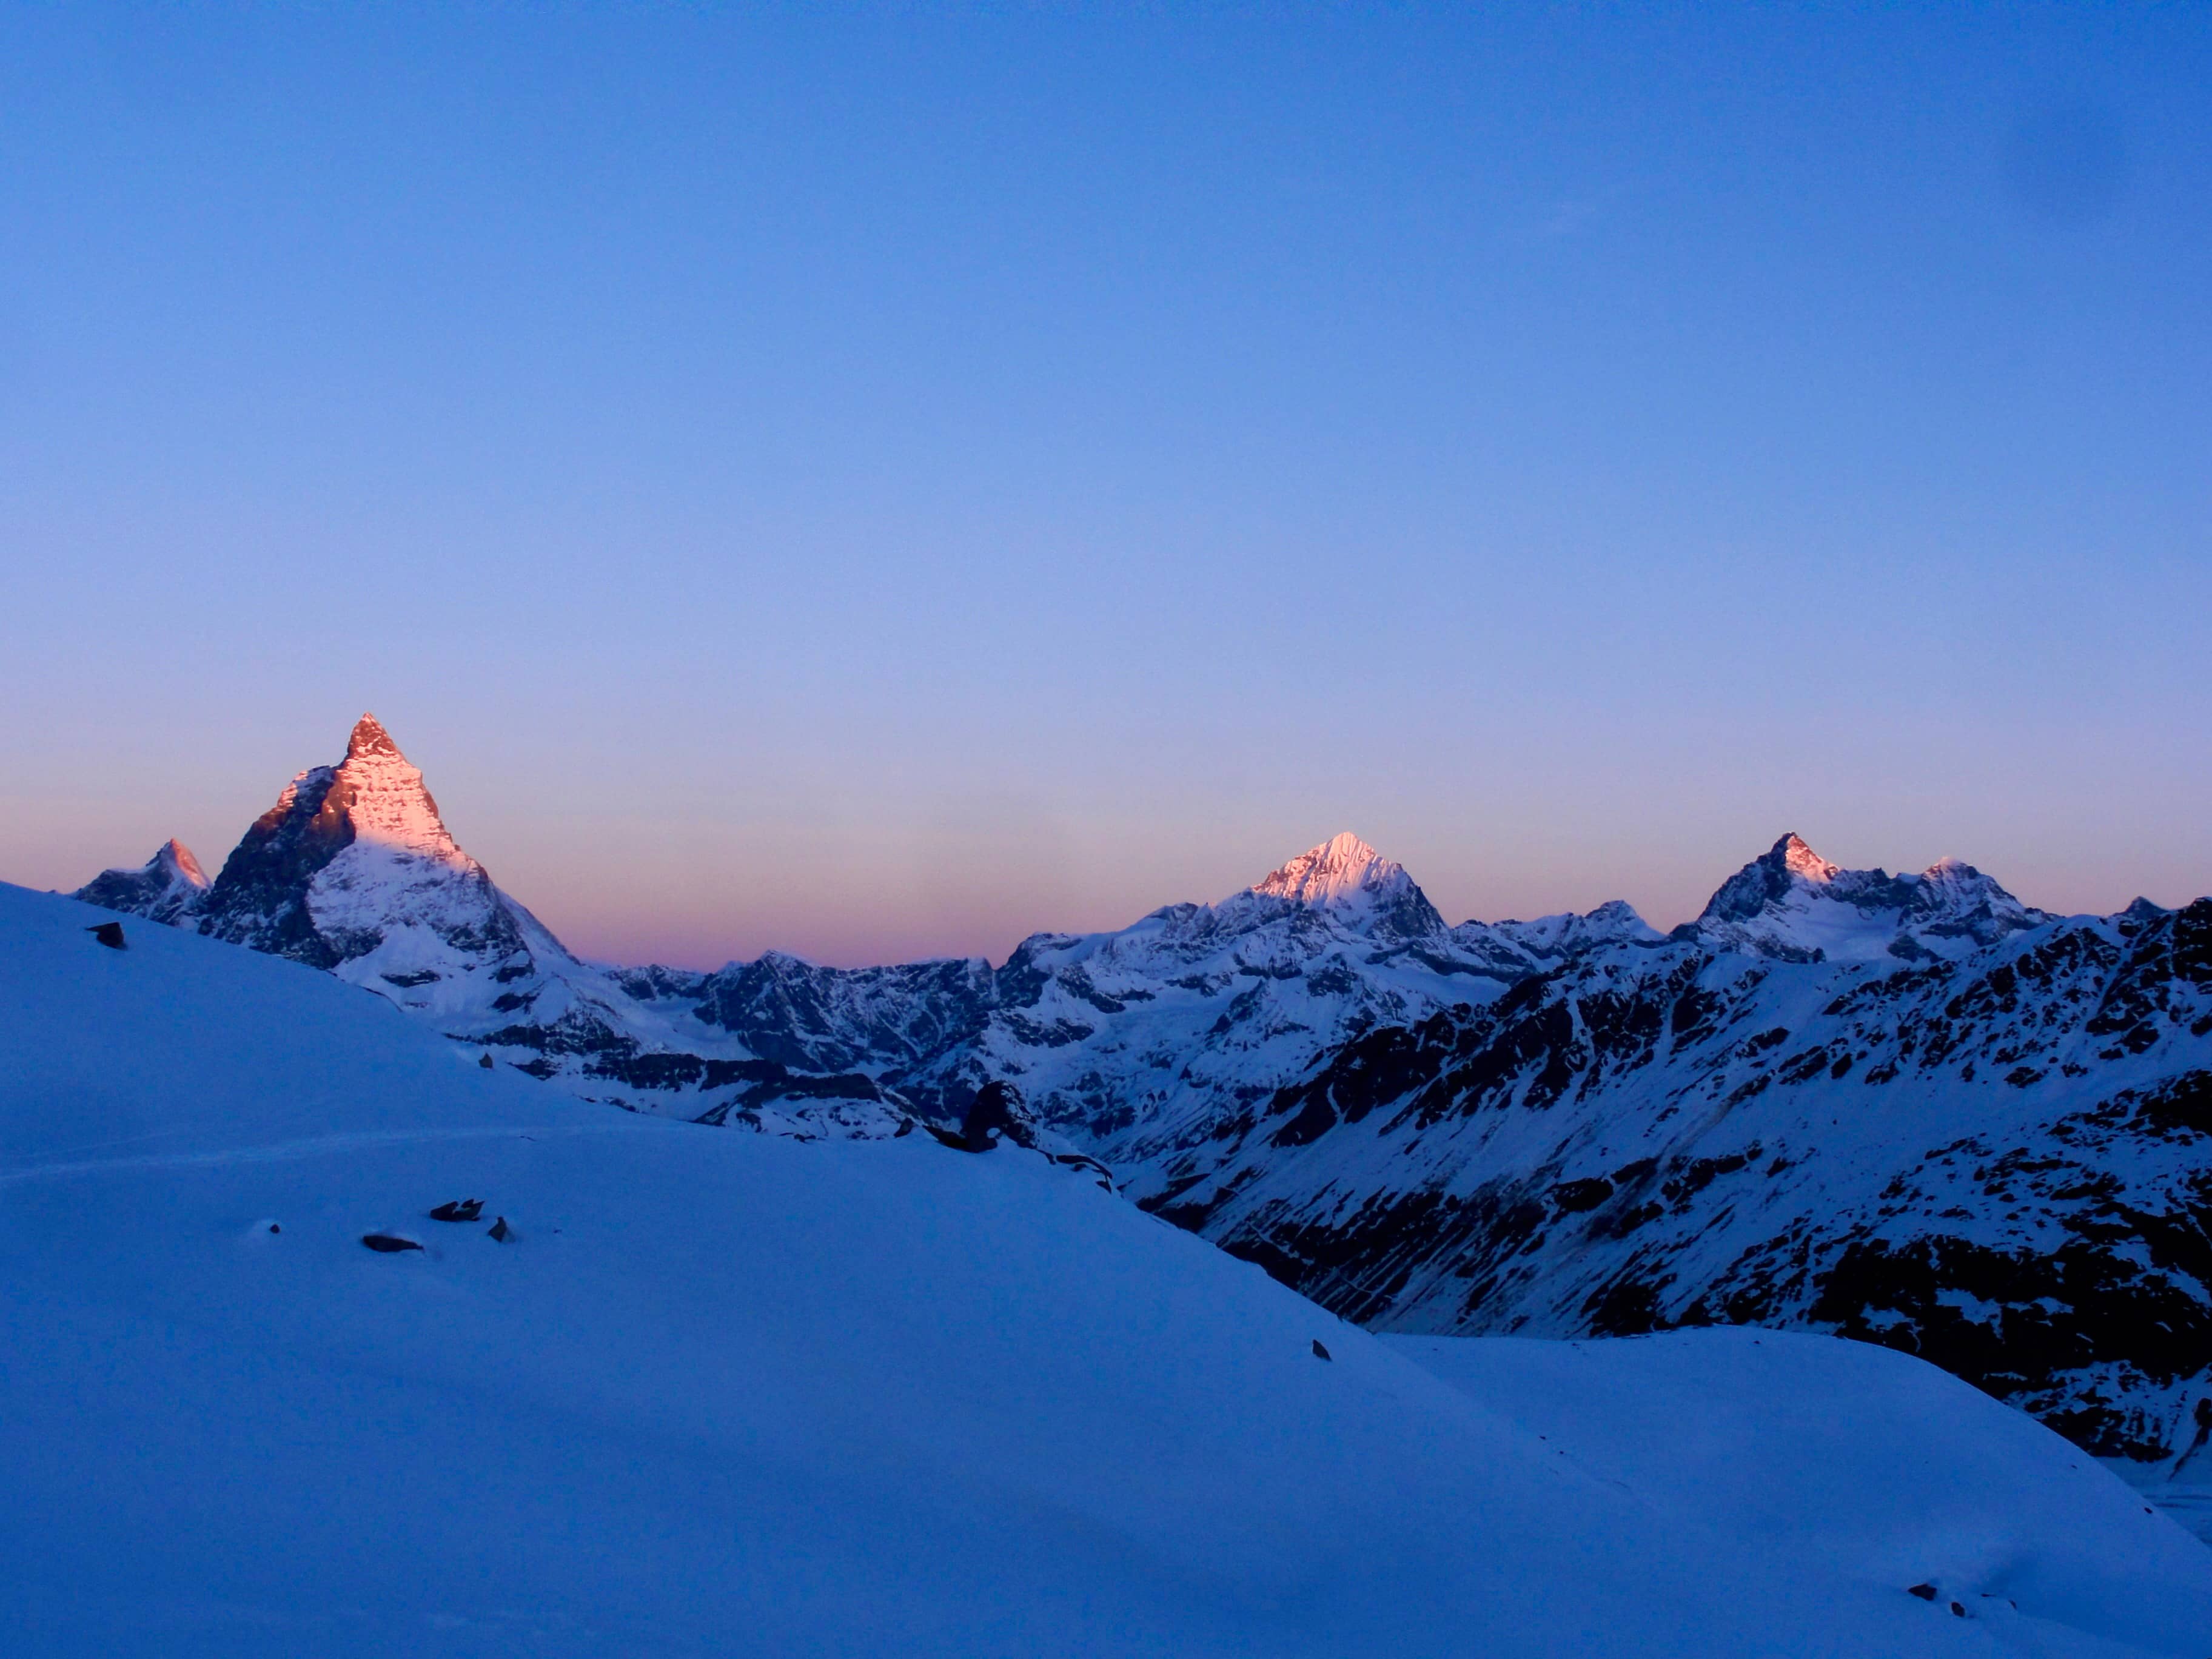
x=874 y=482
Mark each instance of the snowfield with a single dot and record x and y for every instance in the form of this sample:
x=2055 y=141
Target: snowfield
x=739 y=1395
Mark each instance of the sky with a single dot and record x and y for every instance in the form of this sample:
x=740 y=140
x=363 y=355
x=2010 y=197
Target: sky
x=877 y=482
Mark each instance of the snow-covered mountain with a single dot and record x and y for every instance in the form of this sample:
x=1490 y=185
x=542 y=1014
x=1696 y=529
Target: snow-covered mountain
x=2001 y=1161
x=170 y=888
x=706 y=1393
x=1908 y=1108
x=1551 y=939
x=353 y=870
x=1791 y=905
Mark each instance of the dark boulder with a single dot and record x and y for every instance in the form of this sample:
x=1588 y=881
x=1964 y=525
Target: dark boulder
x=110 y=934
x=501 y=1232
x=460 y=1209
x=997 y=1113
x=1321 y=1352
x=389 y=1244
x=1925 y=1592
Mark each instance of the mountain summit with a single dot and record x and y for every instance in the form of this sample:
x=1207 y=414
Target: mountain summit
x=1790 y=904
x=1353 y=886
x=169 y=888
x=1340 y=866
x=384 y=800
x=353 y=870
x=369 y=738
x=350 y=855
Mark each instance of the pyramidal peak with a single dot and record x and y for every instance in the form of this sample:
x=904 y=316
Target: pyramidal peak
x=369 y=738
x=1801 y=860
x=1339 y=867
x=177 y=858
x=383 y=798
x=169 y=888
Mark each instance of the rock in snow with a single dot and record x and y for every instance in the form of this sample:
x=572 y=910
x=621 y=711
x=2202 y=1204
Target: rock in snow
x=862 y=1398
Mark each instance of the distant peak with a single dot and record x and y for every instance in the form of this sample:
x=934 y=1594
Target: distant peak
x=1357 y=886
x=175 y=855
x=1800 y=859
x=1347 y=849
x=1341 y=865
x=369 y=738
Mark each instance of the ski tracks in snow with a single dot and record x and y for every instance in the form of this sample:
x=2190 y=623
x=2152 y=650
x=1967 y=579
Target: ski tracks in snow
x=297 y=1150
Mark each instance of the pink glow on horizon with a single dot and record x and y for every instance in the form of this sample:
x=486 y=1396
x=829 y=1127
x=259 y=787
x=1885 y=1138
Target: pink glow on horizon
x=696 y=888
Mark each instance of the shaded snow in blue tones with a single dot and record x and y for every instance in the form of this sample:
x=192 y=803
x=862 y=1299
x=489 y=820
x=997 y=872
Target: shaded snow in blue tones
x=726 y=1394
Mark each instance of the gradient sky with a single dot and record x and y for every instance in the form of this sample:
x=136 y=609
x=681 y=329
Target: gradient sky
x=879 y=482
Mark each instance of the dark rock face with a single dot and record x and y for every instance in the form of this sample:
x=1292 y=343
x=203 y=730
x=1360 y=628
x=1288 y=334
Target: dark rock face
x=997 y=1113
x=831 y=1019
x=260 y=896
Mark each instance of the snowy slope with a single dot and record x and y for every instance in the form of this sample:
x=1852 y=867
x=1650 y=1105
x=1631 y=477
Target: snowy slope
x=738 y=1395
x=1868 y=1460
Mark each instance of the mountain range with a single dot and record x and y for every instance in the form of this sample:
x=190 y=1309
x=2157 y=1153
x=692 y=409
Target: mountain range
x=1907 y=1108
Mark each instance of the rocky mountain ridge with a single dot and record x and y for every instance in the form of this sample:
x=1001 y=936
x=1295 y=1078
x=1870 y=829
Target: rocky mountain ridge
x=2001 y=1162
x=352 y=870
x=1790 y=904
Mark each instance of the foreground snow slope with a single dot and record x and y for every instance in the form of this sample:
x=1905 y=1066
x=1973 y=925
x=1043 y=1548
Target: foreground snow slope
x=735 y=1394
x=1863 y=1458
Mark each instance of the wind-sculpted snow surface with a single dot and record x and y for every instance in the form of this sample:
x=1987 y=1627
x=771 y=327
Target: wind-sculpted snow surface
x=1878 y=1466
x=739 y=1395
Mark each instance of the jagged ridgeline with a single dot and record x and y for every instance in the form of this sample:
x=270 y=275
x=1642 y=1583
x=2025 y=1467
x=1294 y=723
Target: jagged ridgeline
x=1907 y=1107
